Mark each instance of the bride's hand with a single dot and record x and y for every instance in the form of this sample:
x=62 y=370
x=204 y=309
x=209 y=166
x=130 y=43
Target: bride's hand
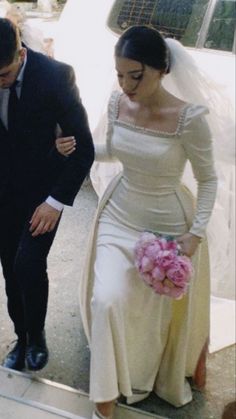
x=188 y=243
x=65 y=145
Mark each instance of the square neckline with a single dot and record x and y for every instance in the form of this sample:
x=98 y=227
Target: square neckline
x=155 y=132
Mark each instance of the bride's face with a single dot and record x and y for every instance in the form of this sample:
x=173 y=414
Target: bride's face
x=138 y=81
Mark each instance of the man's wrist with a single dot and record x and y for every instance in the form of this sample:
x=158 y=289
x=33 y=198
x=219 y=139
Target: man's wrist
x=54 y=203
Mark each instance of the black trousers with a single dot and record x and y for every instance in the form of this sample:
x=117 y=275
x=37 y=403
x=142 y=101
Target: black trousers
x=24 y=265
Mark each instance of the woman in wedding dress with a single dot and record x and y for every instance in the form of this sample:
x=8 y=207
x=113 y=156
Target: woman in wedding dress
x=83 y=40
x=141 y=341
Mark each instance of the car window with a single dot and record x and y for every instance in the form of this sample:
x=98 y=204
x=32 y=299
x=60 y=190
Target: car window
x=181 y=20
x=222 y=27
x=195 y=23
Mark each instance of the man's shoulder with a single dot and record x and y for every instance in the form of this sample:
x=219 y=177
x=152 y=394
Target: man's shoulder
x=43 y=63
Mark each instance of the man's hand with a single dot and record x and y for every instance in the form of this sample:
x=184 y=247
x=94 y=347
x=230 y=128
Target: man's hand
x=44 y=219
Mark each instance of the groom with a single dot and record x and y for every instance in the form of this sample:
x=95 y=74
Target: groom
x=37 y=94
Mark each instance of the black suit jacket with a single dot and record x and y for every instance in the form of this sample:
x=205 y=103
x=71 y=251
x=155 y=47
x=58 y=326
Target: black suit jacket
x=30 y=165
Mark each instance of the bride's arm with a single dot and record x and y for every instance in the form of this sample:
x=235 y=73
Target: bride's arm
x=199 y=151
x=101 y=136
x=198 y=148
x=102 y=139
x=66 y=146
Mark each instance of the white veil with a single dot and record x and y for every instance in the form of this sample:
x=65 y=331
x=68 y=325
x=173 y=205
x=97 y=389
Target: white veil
x=82 y=40
x=192 y=85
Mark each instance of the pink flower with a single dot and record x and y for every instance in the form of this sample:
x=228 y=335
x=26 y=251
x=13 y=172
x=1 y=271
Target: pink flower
x=153 y=249
x=186 y=264
x=180 y=271
x=172 y=245
x=166 y=258
x=161 y=266
x=146 y=264
x=158 y=273
x=145 y=238
x=158 y=287
x=167 y=244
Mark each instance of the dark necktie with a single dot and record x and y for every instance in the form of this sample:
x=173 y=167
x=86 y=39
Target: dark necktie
x=12 y=107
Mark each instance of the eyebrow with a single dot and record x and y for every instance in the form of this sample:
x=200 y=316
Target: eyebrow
x=136 y=71
x=133 y=71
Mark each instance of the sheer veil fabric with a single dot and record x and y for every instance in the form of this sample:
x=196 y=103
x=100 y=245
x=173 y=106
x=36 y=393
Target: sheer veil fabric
x=84 y=41
x=194 y=86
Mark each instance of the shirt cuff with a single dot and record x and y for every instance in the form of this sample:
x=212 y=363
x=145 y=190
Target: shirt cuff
x=54 y=203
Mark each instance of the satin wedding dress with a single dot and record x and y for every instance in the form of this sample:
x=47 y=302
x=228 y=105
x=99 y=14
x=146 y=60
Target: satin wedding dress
x=138 y=339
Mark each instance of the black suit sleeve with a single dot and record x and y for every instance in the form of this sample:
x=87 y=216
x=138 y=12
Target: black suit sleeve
x=73 y=121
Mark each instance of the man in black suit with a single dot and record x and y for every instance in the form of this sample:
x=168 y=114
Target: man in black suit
x=37 y=94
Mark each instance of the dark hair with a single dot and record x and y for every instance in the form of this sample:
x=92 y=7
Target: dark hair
x=9 y=42
x=146 y=45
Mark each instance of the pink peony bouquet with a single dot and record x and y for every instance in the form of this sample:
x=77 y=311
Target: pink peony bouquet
x=161 y=265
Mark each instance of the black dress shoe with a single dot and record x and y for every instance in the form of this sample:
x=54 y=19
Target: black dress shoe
x=16 y=357
x=37 y=352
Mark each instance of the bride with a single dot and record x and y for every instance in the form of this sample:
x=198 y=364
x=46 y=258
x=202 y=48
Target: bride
x=84 y=41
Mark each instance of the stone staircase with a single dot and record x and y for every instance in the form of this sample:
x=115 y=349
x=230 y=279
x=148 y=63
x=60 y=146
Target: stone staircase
x=25 y=396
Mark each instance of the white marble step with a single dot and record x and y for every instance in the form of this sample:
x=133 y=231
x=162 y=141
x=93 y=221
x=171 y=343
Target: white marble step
x=18 y=408
x=26 y=396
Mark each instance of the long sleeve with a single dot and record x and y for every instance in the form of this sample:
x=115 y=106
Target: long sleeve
x=106 y=165
x=102 y=138
x=198 y=148
x=72 y=119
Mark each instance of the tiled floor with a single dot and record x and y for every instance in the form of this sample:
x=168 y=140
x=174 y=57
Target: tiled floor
x=25 y=397
x=12 y=408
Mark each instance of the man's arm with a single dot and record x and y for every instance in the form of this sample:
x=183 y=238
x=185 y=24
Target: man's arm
x=73 y=121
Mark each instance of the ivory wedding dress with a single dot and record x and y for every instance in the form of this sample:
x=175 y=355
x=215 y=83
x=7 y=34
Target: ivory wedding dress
x=138 y=339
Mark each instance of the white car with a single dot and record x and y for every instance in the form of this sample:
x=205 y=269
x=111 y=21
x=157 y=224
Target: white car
x=206 y=27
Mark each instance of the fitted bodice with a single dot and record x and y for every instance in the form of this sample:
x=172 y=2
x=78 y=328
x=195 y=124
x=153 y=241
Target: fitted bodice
x=152 y=169
x=149 y=194
x=150 y=161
